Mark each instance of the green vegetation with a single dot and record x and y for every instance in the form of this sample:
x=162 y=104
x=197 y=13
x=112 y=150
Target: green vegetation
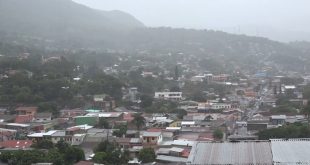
x=138 y=121
x=218 y=134
x=121 y=130
x=296 y=130
x=59 y=154
x=147 y=155
x=110 y=153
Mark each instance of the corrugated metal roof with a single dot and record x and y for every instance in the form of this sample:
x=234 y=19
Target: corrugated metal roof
x=292 y=151
x=230 y=153
x=151 y=134
x=170 y=158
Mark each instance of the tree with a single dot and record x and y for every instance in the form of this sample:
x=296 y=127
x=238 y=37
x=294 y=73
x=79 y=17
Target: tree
x=146 y=101
x=147 y=155
x=103 y=123
x=121 y=130
x=55 y=157
x=218 y=134
x=44 y=144
x=108 y=153
x=100 y=157
x=296 y=130
x=138 y=120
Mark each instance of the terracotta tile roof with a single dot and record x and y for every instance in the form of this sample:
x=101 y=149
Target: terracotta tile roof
x=16 y=144
x=23 y=118
x=26 y=108
x=154 y=130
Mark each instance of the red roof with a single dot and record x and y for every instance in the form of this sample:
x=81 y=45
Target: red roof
x=185 y=153
x=23 y=118
x=84 y=163
x=206 y=137
x=26 y=109
x=154 y=130
x=16 y=144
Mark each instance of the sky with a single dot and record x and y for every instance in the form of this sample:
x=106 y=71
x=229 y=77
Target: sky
x=278 y=19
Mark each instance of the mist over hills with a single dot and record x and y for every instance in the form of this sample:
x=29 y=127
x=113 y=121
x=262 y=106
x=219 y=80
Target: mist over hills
x=64 y=24
x=56 y=18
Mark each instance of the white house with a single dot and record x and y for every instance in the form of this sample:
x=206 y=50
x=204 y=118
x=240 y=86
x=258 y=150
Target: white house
x=173 y=96
x=152 y=137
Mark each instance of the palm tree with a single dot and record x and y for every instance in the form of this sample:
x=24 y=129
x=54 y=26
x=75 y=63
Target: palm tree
x=138 y=120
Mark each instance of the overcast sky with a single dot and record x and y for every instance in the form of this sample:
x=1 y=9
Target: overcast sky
x=237 y=16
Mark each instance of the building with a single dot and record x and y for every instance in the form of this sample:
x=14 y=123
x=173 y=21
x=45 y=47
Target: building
x=278 y=119
x=27 y=111
x=89 y=120
x=133 y=94
x=152 y=138
x=217 y=106
x=70 y=113
x=43 y=117
x=24 y=118
x=103 y=102
x=173 y=96
x=290 y=151
x=206 y=153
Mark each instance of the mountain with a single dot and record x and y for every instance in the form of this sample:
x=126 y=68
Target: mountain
x=64 y=24
x=60 y=19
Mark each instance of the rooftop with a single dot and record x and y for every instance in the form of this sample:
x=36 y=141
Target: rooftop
x=21 y=144
x=291 y=151
x=26 y=109
x=151 y=134
x=230 y=153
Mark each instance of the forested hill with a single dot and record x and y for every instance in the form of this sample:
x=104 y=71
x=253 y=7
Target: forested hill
x=55 y=18
x=64 y=24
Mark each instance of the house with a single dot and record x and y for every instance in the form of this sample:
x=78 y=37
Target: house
x=78 y=129
x=152 y=138
x=173 y=96
x=26 y=111
x=176 y=151
x=43 y=117
x=7 y=134
x=24 y=118
x=257 y=125
x=277 y=119
x=217 y=106
x=104 y=102
x=70 y=113
x=127 y=143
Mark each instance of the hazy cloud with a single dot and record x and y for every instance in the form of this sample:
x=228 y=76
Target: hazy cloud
x=238 y=16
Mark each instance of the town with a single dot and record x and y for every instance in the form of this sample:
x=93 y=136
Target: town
x=83 y=82
x=200 y=111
